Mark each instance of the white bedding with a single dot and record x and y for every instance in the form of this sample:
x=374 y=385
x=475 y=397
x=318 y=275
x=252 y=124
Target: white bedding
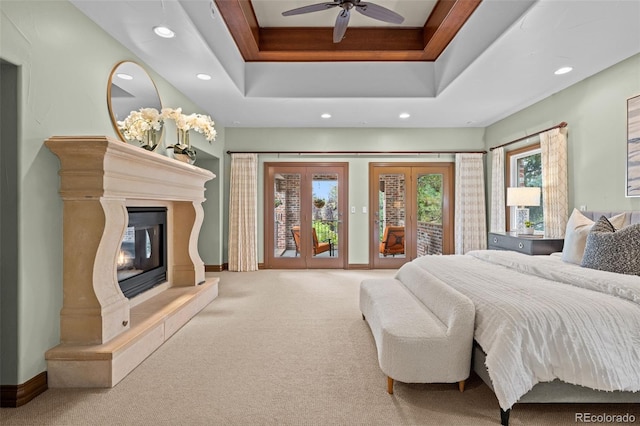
x=540 y=319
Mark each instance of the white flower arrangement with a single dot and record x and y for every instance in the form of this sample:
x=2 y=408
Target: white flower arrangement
x=197 y=122
x=173 y=114
x=142 y=125
x=202 y=124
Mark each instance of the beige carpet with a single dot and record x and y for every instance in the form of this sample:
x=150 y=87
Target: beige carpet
x=280 y=348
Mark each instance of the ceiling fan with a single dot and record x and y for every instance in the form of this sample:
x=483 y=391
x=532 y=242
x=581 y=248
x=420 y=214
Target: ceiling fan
x=368 y=9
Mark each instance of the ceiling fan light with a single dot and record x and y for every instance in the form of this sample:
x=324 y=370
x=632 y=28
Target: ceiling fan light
x=164 y=32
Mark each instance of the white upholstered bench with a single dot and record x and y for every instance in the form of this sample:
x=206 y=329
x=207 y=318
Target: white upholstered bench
x=423 y=329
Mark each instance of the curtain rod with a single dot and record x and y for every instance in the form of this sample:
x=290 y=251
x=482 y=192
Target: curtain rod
x=557 y=126
x=355 y=152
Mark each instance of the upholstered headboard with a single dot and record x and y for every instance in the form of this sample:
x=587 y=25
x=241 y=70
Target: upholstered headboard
x=632 y=216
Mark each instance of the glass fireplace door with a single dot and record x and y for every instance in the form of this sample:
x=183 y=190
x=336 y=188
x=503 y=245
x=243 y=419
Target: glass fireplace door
x=141 y=262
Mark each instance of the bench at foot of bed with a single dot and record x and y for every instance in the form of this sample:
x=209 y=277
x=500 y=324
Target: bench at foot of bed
x=420 y=338
x=390 y=385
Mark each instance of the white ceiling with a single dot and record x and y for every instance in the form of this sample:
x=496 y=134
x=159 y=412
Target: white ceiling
x=501 y=62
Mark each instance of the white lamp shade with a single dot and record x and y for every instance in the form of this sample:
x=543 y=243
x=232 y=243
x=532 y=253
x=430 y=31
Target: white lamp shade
x=523 y=196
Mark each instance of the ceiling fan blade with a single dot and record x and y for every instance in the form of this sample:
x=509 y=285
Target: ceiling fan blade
x=308 y=9
x=380 y=13
x=341 y=25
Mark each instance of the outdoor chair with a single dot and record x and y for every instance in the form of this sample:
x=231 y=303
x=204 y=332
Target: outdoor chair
x=392 y=241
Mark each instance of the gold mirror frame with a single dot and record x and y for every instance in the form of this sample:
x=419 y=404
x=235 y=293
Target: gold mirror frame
x=124 y=96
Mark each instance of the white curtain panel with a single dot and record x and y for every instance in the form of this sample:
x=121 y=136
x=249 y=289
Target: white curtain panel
x=555 y=191
x=498 y=222
x=470 y=210
x=243 y=217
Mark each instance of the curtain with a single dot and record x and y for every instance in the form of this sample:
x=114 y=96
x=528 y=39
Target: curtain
x=470 y=208
x=243 y=207
x=497 y=191
x=555 y=192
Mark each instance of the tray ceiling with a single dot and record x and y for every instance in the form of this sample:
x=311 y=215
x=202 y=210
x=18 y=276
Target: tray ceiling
x=500 y=61
x=263 y=34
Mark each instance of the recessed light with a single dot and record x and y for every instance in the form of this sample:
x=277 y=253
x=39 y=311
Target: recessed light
x=124 y=76
x=563 y=70
x=326 y=115
x=164 y=32
x=203 y=76
x=404 y=115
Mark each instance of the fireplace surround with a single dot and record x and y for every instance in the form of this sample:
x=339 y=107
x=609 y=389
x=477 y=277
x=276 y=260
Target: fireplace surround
x=103 y=334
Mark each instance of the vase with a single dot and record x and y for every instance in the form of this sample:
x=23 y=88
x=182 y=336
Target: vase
x=149 y=140
x=183 y=138
x=188 y=157
x=182 y=150
x=149 y=147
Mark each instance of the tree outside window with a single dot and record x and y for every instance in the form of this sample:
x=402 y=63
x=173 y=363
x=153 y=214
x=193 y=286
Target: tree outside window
x=526 y=170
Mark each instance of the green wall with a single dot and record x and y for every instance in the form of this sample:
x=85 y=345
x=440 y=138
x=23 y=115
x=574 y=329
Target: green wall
x=348 y=139
x=64 y=61
x=596 y=111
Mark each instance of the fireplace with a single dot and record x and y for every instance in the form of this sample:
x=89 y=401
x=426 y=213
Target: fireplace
x=103 y=184
x=142 y=259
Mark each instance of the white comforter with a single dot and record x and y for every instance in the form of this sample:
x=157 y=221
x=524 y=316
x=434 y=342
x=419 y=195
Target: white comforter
x=540 y=319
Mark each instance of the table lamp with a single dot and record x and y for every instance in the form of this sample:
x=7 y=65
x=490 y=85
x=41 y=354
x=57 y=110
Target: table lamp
x=522 y=197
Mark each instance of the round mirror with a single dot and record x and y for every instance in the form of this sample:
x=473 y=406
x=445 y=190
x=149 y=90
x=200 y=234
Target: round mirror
x=130 y=88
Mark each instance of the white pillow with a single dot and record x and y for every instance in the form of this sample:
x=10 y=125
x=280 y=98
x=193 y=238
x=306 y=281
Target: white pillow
x=575 y=237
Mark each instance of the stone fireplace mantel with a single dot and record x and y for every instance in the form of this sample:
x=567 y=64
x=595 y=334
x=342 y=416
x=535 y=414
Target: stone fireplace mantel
x=104 y=335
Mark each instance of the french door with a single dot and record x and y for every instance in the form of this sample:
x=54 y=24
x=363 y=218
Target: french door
x=412 y=209
x=305 y=225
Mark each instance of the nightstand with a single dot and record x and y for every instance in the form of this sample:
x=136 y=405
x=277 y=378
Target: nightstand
x=533 y=245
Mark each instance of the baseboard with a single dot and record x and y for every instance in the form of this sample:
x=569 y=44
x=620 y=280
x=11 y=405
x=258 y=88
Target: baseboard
x=216 y=268
x=359 y=266
x=224 y=267
x=18 y=395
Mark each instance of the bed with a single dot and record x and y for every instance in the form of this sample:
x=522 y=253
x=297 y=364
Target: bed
x=547 y=330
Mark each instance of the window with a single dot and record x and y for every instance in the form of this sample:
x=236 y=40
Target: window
x=525 y=169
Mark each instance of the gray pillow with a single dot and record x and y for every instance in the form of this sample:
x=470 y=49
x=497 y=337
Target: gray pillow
x=611 y=250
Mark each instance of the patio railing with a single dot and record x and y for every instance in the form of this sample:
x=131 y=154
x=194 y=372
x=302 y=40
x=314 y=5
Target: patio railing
x=327 y=230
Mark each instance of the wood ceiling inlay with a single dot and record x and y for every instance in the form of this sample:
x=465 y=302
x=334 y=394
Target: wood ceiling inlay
x=286 y=44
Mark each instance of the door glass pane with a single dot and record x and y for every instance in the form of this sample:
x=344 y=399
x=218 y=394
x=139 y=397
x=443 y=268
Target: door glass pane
x=392 y=214
x=324 y=214
x=286 y=205
x=429 y=200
